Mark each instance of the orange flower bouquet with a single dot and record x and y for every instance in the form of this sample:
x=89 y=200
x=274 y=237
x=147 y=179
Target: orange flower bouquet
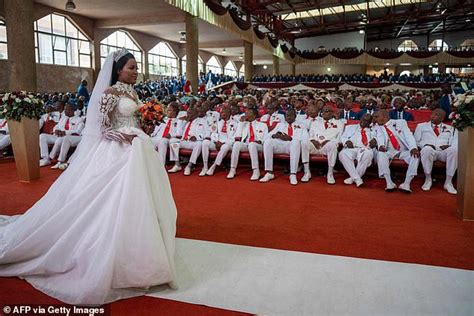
x=150 y=115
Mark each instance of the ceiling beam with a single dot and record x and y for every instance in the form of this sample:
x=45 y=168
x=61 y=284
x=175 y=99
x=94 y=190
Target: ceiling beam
x=140 y=20
x=221 y=44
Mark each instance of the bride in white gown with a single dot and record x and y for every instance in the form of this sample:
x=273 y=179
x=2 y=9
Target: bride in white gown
x=106 y=228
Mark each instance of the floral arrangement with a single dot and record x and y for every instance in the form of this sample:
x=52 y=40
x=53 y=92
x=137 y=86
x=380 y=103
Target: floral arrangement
x=150 y=115
x=15 y=105
x=463 y=111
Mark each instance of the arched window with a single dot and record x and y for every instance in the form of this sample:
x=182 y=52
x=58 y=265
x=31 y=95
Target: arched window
x=117 y=41
x=200 y=64
x=405 y=73
x=58 y=41
x=438 y=45
x=3 y=40
x=214 y=66
x=162 y=60
x=230 y=69
x=242 y=71
x=407 y=45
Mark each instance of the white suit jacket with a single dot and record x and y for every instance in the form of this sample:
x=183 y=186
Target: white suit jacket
x=175 y=128
x=400 y=130
x=260 y=131
x=199 y=129
x=226 y=137
x=300 y=131
x=319 y=133
x=354 y=134
x=76 y=125
x=425 y=135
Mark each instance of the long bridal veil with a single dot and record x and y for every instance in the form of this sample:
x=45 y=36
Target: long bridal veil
x=105 y=230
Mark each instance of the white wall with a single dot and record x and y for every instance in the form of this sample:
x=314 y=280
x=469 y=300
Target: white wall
x=453 y=39
x=352 y=39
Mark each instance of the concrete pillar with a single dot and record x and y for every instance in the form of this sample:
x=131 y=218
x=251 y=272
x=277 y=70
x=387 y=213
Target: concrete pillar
x=21 y=45
x=248 y=61
x=192 y=47
x=293 y=69
x=276 y=65
x=96 y=65
x=180 y=66
x=146 y=66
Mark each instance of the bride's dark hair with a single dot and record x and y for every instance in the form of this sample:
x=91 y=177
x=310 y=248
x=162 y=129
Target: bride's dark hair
x=118 y=65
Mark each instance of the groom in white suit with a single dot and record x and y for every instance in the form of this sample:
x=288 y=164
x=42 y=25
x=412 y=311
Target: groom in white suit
x=395 y=140
x=323 y=139
x=171 y=128
x=286 y=138
x=356 y=140
x=249 y=136
x=438 y=141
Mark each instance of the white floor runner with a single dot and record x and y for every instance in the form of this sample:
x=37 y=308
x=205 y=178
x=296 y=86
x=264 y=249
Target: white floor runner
x=275 y=282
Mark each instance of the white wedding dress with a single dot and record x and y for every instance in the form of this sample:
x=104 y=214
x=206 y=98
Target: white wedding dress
x=106 y=228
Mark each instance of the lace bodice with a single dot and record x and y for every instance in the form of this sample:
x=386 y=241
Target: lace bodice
x=118 y=107
x=124 y=114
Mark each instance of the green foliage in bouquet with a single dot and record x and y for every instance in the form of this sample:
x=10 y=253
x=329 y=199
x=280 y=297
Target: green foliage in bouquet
x=463 y=111
x=15 y=105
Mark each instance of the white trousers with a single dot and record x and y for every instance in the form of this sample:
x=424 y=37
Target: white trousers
x=4 y=141
x=429 y=155
x=385 y=158
x=66 y=144
x=161 y=144
x=195 y=146
x=252 y=148
x=48 y=139
x=207 y=146
x=329 y=150
x=278 y=146
x=363 y=156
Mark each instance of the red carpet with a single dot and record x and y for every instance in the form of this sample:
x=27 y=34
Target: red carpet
x=314 y=217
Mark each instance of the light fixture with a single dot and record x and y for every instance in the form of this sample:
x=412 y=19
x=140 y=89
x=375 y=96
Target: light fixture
x=468 y=20
x=469 y=65
x=241 y=56
x=361 y=31
x=296 y=31
x=182 y=39
x=387 y=64
x=70 y=5
x=224 y=51
x=430 y=66
x=444 y=11
x=329 y=68
x=265 y=67
x=254 y=63
x=436 y=64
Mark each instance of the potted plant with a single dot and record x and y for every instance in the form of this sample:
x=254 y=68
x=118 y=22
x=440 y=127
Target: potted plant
x=463 y=120
x=22 y=112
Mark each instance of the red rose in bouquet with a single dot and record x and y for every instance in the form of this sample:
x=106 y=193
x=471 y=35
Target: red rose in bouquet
x=151 y=114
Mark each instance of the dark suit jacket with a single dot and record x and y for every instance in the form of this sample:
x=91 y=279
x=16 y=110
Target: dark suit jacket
x=407 y=116
x=362 y=112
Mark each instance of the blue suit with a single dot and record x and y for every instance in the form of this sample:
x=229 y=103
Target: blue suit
x=445 y=104
x=407 y=116
x=350 y=116
x=82 y=91
x=362 y=112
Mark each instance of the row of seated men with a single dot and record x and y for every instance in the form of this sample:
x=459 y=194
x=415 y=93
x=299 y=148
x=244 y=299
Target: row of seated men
x=61 y=126
x=375 y=139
